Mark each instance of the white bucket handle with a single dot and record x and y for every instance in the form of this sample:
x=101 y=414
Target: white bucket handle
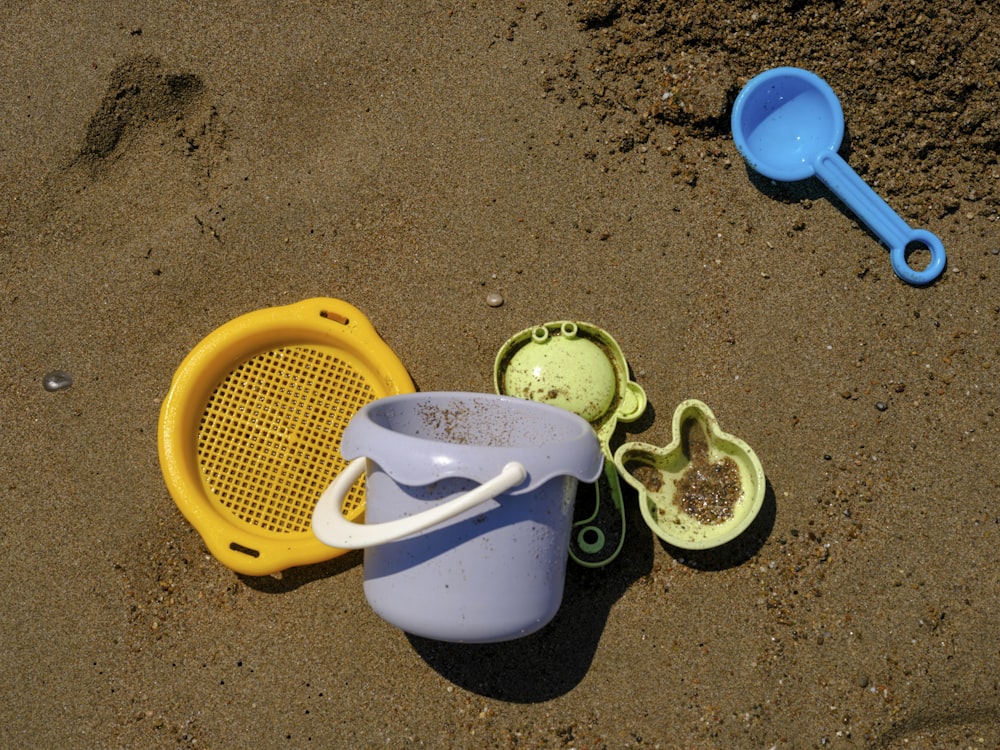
x=333 y=529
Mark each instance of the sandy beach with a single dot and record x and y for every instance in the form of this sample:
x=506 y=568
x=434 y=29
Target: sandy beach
x=170 y=166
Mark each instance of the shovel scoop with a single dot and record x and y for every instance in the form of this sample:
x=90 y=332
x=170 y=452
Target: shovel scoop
x=788 y=124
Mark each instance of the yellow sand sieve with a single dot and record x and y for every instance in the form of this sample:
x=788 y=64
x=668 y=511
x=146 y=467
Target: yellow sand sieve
x=250 y=430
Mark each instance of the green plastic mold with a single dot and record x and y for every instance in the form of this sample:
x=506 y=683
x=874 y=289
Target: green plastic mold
x=578 y=367
x=702 y=490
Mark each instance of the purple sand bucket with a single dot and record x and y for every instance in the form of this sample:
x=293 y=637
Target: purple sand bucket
x=468 y=511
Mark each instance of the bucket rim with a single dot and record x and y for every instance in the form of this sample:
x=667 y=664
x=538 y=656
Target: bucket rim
x=574 y=451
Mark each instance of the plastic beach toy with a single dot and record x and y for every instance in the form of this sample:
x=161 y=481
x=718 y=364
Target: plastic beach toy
x=702 y=490
x=578 y=367
x=250 y=428
x=788 y=124
x=468 y=511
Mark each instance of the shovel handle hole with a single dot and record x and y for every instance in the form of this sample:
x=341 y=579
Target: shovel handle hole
x=920 y=259
x=917 y=255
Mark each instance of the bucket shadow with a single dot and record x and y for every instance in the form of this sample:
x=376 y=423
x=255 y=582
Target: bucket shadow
x=736 y=552
x=551 y=662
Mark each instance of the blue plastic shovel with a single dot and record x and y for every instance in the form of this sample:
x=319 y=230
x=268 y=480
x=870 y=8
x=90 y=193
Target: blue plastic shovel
x=788 y=124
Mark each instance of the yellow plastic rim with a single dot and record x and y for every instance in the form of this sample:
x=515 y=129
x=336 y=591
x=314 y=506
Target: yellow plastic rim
x=249 y=433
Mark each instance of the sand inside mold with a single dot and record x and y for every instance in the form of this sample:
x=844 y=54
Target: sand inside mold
x=167 y=167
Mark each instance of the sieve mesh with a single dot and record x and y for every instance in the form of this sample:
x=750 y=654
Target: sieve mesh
x=269 y=438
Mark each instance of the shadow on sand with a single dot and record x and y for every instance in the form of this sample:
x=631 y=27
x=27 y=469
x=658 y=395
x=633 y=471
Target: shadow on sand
x=554 y=660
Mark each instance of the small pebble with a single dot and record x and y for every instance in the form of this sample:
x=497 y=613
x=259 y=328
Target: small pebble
x=494 y=300
x=57 y=380
x=881 y=406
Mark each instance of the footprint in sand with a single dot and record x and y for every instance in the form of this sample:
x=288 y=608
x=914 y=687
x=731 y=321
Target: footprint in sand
x=153 y=147
x=143 y=94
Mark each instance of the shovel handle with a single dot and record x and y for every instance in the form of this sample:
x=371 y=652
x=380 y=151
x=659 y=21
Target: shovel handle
x=877 y=215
